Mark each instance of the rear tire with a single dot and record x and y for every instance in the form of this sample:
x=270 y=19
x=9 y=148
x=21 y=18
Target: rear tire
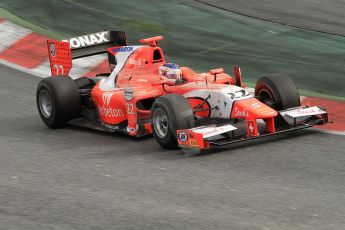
x=58 y=101
x=277 y=91
x=168 y=114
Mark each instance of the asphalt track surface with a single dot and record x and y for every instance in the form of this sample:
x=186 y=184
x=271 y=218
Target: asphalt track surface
x=76 y=178
x=320 y=15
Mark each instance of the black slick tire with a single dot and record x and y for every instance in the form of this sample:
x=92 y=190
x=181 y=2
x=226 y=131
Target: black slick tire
x=179 y=115
x=63 y=98
x=278 y=91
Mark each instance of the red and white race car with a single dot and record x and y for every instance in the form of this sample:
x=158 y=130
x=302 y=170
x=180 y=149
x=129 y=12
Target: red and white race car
x=142 y=94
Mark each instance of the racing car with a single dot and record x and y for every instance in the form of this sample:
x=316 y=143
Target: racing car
x=143 y=94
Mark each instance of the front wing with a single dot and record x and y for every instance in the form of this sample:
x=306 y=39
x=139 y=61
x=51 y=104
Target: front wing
x=204 y=137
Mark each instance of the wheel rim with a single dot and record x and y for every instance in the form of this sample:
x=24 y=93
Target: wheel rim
x=266 y=98
x=45 y=103
x=160 y=123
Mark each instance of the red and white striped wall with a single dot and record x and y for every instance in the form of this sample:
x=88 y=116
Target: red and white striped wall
x=27 y=51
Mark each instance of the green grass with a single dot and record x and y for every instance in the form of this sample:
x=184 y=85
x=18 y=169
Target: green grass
x=145 y=26
x=27 y=24
x=320 y=95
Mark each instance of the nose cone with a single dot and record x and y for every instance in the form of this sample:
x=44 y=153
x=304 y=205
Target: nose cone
x=252 y=109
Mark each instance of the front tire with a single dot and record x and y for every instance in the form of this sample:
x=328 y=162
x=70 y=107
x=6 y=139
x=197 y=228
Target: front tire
x=58 y=101
x=277 y=91
x=170 y=113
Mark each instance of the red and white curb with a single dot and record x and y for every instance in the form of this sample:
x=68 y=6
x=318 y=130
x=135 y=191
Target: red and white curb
x=336 y=114
x=26 y=50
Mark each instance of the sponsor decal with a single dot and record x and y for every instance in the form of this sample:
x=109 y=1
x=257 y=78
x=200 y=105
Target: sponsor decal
x=132 y=129
x=307 y=111
x=106 y=97
x=123 y=49
x=183 y=136
x=300 y=112
x=110 y=112
x=267 y=111
x=251 y=127
x=194 y=143
x=107 y=111
x=52 y=50
x=239 y=94
x=112 y=127
x=213 y=131
x=138 y=63
x=243 y=113
x=88 y=40
x=129 y=94
x=256 y=105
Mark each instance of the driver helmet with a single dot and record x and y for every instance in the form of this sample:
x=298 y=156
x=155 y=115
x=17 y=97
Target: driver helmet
x=170 y=72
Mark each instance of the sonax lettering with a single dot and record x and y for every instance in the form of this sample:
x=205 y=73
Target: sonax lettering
x=88 y=40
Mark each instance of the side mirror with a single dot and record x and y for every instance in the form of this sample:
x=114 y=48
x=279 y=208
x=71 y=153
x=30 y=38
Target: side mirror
x=214 y=72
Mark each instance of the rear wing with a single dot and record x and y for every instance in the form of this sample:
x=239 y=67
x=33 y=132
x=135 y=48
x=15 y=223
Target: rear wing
x=62 y=52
